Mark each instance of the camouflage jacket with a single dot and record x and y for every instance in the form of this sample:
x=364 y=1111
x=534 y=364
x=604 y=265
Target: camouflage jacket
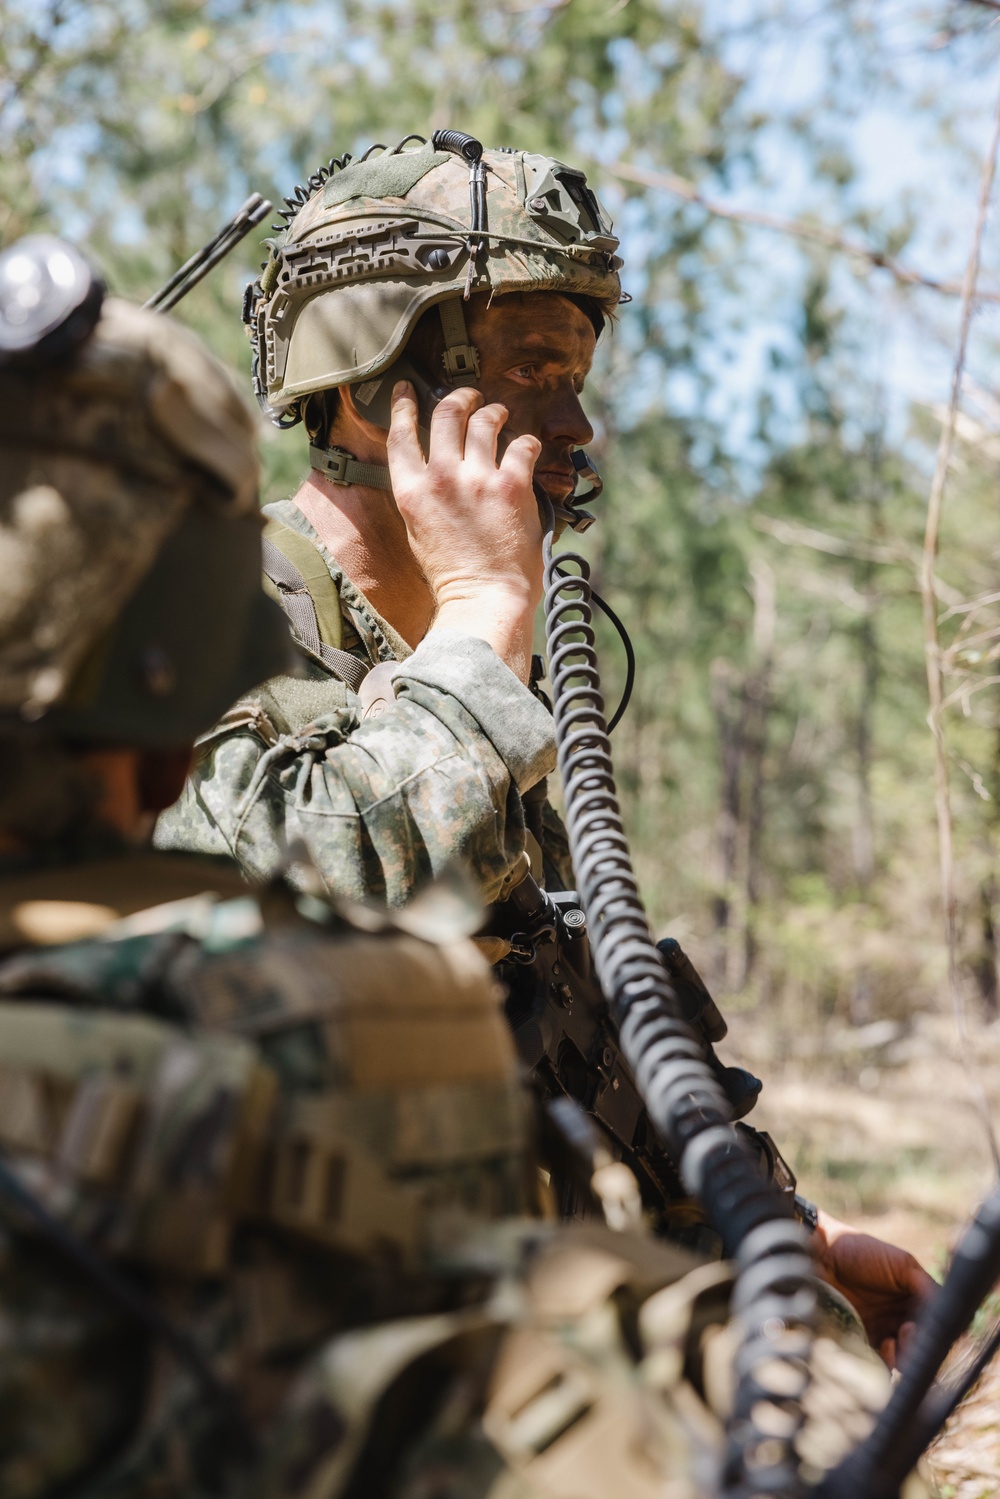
x=381 y=805
x=302 y=1131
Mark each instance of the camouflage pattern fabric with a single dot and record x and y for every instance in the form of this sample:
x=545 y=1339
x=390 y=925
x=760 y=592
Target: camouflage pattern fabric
x=274 y=1117
x=303 y=1130
x=601 y=1364
x=385 y=805
x=379 y=241
x=148 y=423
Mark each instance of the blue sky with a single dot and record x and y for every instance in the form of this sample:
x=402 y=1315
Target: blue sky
x=914 y=113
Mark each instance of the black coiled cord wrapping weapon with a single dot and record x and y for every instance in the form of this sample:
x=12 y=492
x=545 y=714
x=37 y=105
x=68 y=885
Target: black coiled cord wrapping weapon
x=774 y=1296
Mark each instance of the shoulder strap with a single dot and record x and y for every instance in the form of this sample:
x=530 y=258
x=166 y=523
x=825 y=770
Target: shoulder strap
x=307 y=559
x=298 y=602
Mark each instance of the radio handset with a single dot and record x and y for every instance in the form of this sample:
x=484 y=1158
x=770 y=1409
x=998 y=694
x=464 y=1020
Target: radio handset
x=373 y=397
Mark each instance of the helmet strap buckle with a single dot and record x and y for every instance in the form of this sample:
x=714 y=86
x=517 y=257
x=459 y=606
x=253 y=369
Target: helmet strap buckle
x=461 y=358
x=343 y=468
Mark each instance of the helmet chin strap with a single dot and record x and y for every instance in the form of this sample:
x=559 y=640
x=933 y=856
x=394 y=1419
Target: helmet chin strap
x=337 y=465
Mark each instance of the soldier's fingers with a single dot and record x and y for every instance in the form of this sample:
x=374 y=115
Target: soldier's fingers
x=483 y=431
x=904 y=1338
x=518 y=462
x=920 y=1285
x=403 y=444
x=449 y=423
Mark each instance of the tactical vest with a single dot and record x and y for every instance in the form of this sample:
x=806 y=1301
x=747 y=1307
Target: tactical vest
x=171 y=1137
x=256 y=1112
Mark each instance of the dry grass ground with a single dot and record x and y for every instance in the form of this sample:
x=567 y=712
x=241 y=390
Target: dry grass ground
x=881 y=1128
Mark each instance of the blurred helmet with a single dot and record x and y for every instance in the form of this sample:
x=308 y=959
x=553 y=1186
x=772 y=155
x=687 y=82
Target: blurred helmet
x=132 y=609
x=371 y=244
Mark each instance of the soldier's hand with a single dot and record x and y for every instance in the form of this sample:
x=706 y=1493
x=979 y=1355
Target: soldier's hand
x=885 y=1285
x=472 y=522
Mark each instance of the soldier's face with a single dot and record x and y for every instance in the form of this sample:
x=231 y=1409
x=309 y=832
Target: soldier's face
x=535 y=352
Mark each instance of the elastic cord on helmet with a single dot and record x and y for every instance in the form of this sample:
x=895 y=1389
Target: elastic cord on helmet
x=471 y=150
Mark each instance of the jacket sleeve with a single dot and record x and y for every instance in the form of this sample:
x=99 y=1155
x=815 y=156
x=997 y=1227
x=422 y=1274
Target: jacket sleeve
x=382 y=806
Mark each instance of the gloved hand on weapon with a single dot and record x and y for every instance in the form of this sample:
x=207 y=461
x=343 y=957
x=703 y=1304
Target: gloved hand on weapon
x=885 y=1284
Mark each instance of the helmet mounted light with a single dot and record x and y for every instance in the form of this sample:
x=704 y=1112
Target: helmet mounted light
x=50 y=301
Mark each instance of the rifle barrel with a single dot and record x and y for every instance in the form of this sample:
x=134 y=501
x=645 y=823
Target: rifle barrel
x=198 y=266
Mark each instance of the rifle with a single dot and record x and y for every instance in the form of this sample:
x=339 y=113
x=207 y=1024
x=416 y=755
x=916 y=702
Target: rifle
x=566 y=1036
x=919 y=1406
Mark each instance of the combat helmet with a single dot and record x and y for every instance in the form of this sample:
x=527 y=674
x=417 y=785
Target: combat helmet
x=370 y=245
x=130 y=545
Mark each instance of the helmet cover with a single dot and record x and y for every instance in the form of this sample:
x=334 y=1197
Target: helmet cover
x=371 y=244
x=130 y=538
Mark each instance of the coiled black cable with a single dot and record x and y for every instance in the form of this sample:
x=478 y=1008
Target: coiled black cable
x=774 y=1296
x=629 y=649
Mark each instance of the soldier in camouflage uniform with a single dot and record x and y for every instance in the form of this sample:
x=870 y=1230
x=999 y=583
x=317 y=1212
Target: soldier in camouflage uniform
x=264 y=1163
x=420 y=273
x=409 y=576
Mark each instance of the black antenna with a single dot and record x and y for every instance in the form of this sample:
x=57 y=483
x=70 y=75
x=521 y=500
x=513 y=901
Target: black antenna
x=253 y=211
x=303 y=191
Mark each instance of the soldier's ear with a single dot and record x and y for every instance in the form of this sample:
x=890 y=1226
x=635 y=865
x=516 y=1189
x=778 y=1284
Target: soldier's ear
x=319 y=412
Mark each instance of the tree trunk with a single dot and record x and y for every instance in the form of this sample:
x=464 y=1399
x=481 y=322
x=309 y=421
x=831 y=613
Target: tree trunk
x=742 y=707
x=862 y=997
x=758 y=701
x=730 y=715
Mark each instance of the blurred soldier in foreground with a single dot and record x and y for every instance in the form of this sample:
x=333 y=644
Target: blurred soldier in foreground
x=409 y=561
x=262 y=1162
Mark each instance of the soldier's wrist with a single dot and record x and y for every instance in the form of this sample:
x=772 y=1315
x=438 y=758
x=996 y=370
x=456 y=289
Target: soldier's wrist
x=508 y=632
x=506 y=597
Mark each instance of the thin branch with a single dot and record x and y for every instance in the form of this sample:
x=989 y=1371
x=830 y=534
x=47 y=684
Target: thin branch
x=965 y=643
x=790 y=533
x=820 y=234
x=964 y=695
x=932 y=647
x=237 y=68
x=836 y=590
x=971 y=605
